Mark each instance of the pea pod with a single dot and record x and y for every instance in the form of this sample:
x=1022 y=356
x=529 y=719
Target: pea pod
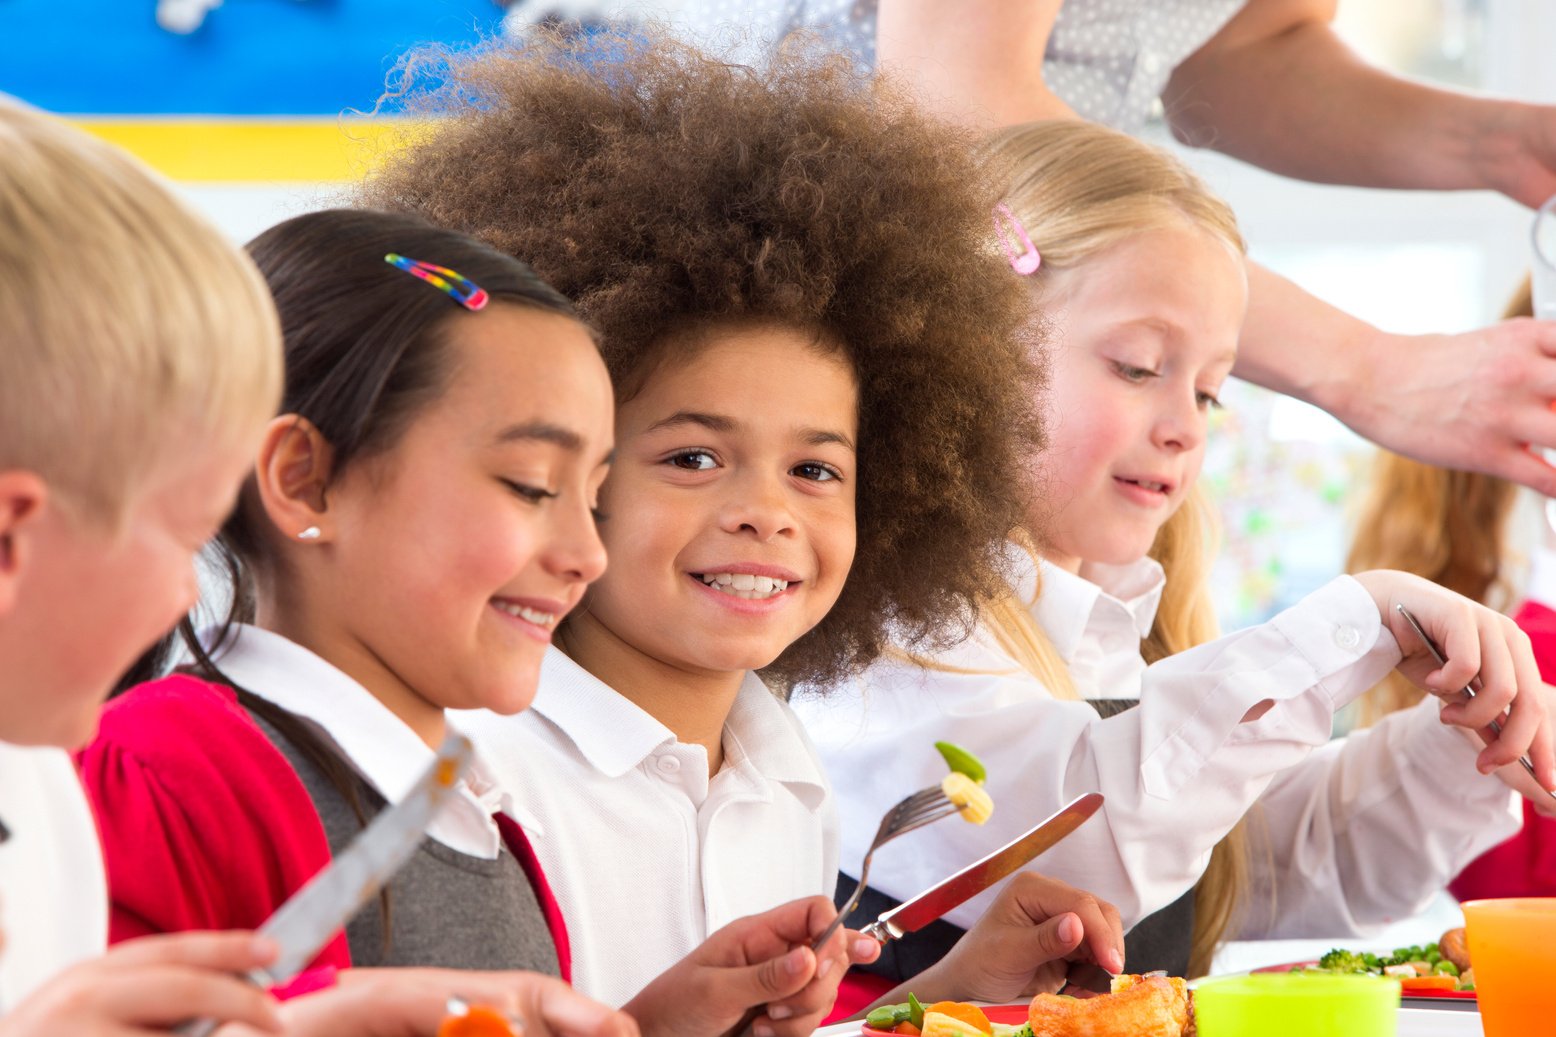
x=915 y=1012
x=887 y=1016
x=962 y=761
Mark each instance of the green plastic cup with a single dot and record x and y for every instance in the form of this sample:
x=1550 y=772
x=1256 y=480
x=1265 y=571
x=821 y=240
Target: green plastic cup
x=1296 y=1004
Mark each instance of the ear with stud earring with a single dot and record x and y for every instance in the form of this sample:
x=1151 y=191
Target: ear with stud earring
x=311 y=533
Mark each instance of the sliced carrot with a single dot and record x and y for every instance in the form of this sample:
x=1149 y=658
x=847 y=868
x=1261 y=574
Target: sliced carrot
x=1428 y=983
x=479 y=1021
x=907 y=1029
x=972 y=1015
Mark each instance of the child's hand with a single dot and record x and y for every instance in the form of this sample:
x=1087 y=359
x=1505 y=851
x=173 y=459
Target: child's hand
x=1476 y=642
x=151 y=985
x=1024 y=944
x=763 y=959
x=395 y=1002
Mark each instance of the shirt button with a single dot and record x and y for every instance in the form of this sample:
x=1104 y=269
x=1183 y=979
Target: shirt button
x=1347 y=638
x=668 y=764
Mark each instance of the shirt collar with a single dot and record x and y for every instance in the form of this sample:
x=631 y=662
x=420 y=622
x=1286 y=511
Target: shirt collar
x=380 y=746
x=763 y=732
x=611 y=731
x=1069 y=603
x=615 y=735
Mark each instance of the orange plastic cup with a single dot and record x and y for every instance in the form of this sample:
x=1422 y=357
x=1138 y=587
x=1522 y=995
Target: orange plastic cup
x=1513 y=952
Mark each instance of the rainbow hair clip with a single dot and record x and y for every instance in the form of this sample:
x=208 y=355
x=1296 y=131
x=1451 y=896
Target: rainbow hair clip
x=1025 y=261
x=459 y=287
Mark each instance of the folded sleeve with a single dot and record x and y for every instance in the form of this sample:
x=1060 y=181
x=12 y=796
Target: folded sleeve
x=204 y=823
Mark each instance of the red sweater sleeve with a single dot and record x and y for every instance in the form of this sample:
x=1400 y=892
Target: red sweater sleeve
x=1525 y=865
x=204 y=823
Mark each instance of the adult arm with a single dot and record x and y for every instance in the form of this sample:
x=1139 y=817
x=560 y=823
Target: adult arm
x=1474 y=400
x=1322 y=113
x=978 y=62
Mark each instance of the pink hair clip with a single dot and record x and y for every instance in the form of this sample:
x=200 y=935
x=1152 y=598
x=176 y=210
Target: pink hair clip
x=1026 y=261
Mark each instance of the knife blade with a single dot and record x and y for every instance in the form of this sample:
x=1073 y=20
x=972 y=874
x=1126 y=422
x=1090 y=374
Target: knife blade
x=305 y=923
x=912 y=915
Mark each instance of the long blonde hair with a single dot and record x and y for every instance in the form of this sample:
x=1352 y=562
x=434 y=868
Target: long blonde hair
x=1078 y=189
x=1448 y=526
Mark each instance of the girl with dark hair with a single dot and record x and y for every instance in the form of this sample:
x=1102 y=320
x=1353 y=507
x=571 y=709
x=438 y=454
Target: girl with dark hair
x=417 y=523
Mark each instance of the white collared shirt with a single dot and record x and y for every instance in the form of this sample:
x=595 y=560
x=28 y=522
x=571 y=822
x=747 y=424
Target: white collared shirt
x=53 y=895
x=1362 y=831
x=1109 y=60
x=646 y=855
x=379 y=745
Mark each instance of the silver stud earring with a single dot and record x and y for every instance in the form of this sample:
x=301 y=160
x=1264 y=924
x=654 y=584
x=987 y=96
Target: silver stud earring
x=311 y=533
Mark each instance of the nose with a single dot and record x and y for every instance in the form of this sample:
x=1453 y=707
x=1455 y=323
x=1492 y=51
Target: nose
x=1180 y=425
x=757 y=504
x=576 y=554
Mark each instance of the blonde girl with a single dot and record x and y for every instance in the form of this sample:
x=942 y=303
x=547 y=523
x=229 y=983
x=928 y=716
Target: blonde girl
x=1140 y=270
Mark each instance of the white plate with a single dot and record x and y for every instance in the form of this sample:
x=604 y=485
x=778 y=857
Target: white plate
x=1413 y=1022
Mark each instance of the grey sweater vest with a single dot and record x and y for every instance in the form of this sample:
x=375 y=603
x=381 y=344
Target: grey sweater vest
x=446 y=909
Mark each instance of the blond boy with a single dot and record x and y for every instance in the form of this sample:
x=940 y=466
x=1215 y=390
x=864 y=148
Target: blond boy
x=139 y=359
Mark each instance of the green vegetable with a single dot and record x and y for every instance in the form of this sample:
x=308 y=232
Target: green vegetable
x=886 y=1016
x=1339 y=960
x=1006 y=1030
x=1445 y=968
x=915 y=1012
x=962 y=761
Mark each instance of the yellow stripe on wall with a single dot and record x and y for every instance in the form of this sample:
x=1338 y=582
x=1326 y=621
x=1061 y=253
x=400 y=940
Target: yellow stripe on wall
x=254 y=151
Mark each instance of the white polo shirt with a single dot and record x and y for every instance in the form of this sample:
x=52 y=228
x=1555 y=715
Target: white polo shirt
x=53 y=895
x=646 y=855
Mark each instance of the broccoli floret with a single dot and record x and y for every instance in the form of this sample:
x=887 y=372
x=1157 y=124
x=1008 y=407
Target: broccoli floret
x=1339 y=960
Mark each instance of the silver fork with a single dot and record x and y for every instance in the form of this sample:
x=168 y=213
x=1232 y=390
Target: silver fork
x=923 y=807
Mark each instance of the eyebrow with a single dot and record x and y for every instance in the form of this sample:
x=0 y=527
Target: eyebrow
x=1170 y=330
x=721 y=423
x=543 y=432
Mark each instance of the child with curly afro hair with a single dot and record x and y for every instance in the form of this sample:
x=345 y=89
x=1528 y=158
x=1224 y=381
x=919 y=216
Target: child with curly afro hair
x=824 y=383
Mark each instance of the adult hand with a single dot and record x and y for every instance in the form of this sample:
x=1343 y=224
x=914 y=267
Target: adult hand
x=763 y=959
x=1473 y=401
x=149 y=986
x=1028 y=940
x=1516 y=150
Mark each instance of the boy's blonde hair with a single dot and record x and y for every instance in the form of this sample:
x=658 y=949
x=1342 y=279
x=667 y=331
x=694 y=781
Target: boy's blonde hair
x=129 y=327
x=1079 y=189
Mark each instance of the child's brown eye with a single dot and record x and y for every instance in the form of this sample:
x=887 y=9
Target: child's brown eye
x=693 y=460
x=816 y=472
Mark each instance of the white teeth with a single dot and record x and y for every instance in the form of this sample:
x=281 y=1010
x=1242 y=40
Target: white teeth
x=540 y=619
x=745 y=585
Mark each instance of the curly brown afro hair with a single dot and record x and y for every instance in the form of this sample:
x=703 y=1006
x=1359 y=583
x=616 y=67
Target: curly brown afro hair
x=665 y=192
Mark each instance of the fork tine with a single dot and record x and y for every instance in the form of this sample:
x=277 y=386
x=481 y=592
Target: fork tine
x=928 y=808
x=925 y=819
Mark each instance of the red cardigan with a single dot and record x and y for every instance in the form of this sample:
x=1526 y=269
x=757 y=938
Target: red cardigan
x=205 y=825
x=1525 y=865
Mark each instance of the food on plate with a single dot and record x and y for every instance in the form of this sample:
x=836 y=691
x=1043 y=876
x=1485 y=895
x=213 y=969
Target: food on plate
x=1139 y=1006
x=941 y=1019
x=964 y=785
x=1432 y=967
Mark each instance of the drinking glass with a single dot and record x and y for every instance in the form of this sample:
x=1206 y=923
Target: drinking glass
x=1297 y=1004
x=1513 y=952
